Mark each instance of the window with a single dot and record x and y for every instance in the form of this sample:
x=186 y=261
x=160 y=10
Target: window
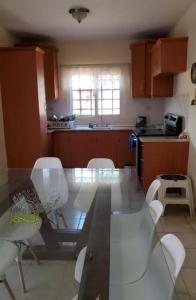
x=83 y=94
x=93 y=94
x=108 y=94
x=93 y=90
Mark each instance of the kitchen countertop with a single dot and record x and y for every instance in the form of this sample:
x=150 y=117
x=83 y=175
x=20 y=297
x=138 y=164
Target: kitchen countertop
x=170 y=139
x=86 y=128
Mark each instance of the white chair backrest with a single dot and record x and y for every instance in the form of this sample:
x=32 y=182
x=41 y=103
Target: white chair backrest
x=174 y=253
x=159 y=279
x=150 y=217
x=50 y=182
x=152 y=190
x=156 y=210
x=48 y=163
x=101 y=163
x=80 y=264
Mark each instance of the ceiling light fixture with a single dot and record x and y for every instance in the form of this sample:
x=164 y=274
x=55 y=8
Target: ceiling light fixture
x=79 y=13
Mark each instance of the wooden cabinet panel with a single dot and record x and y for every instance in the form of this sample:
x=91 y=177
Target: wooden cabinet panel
x=148 y=82
x=75 y=149
x=138 y=70
x=162 y=86
x=24 y=106
x=124 y=155
x=169 y=56
x=163 y=157
x=50 y=68
x=106 y=145
x=51 y=72
x=49 y=135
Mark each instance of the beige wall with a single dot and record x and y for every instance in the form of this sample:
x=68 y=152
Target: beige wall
x=5 y=40
x=94 y=52
x=183 y=86
x=106 y=52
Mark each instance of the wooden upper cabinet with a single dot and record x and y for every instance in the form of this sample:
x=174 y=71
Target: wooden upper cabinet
x=154 y=64
x=169 y=56
x=138 y=70
x=148 y=82
x=50 y=68
x=51 y=72
x=162 y=86
x=141 y=69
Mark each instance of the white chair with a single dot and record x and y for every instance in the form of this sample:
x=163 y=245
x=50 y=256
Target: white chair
x=21 y=235
x=174 y=253
x=152 y=190
x=80 y=264
x=50 y=183
x=48 y=163
x=122 y=226
x=97 y=163
x=88 y=190
x=8 y=252
x=130 y=264
x=133 y=254
x=158 y=281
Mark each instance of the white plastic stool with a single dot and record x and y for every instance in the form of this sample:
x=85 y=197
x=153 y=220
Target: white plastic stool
x=175 y=199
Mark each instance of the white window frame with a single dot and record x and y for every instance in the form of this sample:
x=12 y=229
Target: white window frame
x=95 y=110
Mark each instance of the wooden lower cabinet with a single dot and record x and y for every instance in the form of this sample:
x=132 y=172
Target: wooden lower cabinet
x=162 y=158
x=76 y=148
x=123 y=153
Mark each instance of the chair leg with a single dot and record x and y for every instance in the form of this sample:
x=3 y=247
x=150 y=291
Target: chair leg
x=63 y=218
x=56 y=218
x=21 y=274
x=30 y=248
x=4 y=280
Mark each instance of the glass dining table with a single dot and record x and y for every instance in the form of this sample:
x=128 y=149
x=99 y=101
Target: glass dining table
x=79 y=208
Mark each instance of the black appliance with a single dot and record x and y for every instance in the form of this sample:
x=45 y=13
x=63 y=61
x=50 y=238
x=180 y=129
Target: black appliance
x=172 y=126
x=141 y=121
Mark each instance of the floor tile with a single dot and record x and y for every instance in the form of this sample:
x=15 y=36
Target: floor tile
x=188 y=239
x=173 y=225
x=45 y=281
x=190 y=259
x=180 y=286
x=189 y=276
x=183 y=297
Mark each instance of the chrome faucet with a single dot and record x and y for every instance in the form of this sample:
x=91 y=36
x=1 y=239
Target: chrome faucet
x=101 y=120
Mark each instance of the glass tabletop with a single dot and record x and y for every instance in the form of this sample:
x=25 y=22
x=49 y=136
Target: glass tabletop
x=94 y=208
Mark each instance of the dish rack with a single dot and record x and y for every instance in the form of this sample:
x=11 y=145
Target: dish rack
x=61 y=124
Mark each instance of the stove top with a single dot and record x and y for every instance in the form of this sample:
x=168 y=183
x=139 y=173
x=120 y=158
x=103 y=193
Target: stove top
x=172 y=126
x=153 y=132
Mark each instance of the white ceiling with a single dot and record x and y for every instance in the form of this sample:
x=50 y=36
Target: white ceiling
x=107 y=18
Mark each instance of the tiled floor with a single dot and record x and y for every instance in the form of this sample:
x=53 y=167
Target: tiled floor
x=178 y=221
x=51 y=280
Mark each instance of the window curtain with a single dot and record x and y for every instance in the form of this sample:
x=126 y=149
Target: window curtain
x=66 y=73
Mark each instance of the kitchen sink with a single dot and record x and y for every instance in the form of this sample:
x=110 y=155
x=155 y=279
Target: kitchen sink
x=99 y=126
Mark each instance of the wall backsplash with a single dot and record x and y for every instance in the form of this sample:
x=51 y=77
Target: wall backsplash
x=178 y=105
x=130 y=109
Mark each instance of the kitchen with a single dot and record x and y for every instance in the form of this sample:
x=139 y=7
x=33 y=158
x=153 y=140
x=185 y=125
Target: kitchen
x=83 y=51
